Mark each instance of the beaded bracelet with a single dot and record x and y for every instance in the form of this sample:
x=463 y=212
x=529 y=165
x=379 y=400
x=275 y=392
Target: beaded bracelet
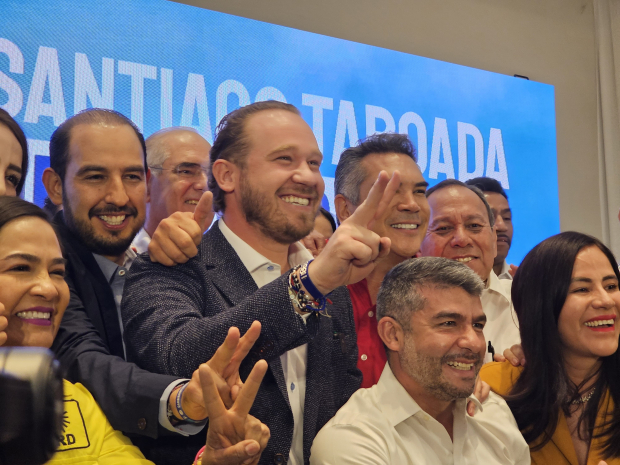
x=301 y=298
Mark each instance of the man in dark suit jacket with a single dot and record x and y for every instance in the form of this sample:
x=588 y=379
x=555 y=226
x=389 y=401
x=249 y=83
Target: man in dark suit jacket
x=103 y=196
x=268 y=189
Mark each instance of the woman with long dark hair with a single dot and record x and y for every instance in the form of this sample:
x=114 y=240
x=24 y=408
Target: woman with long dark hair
x=13 y=156
x=566 y=399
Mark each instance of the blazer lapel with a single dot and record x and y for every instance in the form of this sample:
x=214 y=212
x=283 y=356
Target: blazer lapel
x=235 y=283
x=88 y=274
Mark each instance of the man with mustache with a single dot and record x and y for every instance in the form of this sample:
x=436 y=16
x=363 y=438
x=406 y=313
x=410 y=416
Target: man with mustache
x=177 y=160
x=267 y=187
x=97 y=173
x=462 y=228
x=498 y=201
x=404 y=222
x=431 y=322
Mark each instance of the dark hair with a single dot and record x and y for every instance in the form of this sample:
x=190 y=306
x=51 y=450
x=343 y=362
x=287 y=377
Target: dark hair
x=61 y=138
x=539 y=291
x=350 y=173
x=7 y=120
x=328 y=216
x=454 y=182
x=12 y=208
x=231 y=142
x=487 y=185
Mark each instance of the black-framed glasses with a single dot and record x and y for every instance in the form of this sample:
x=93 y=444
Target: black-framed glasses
x=185 y=170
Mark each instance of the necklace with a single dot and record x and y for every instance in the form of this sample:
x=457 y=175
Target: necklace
x=584 y=399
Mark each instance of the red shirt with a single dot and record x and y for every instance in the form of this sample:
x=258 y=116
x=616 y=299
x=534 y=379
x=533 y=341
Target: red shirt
x=371 y=355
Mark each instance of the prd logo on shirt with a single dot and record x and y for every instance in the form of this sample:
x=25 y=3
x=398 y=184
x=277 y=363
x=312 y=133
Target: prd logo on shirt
x=74 y=435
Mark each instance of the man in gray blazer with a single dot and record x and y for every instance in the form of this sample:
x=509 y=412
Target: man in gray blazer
x=267 y=188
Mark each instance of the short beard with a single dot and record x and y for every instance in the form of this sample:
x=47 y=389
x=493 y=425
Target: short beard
x=271 y=222
x=107 y=247
x=427 y=371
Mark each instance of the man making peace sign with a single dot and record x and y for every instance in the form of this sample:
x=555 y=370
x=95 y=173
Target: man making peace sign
x=267 y=187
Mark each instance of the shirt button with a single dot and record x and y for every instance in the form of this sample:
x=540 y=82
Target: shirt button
x=364 y=357
x=371 y=313
x=121 y=273
x=270 y=268
x=292 y=386
x=142 y=424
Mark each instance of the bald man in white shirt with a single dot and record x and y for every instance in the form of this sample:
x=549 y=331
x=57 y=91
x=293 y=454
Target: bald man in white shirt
x=431 y=322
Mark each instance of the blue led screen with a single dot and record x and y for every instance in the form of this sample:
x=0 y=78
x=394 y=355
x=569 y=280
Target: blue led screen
x=167 y=64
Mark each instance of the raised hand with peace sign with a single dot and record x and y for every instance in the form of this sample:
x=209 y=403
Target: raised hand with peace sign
x=234 y=436
x=351 y=253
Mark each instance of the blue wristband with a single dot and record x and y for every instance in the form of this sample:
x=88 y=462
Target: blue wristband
x=308 y=284
x=180 y=409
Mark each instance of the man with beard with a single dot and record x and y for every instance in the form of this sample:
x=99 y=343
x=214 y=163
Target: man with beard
x=405 y=221
x=97 y=173
x=267 y=187
x=431 y=321
x=498 y=201
x=462 y=228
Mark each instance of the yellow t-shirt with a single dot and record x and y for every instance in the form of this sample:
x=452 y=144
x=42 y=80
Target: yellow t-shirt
x=88 y=438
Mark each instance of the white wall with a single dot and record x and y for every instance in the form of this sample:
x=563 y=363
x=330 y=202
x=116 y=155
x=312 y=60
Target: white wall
x=550 y=41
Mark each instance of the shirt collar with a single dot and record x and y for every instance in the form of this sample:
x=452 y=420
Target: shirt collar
x=252 y=260
x=108 y=267
x=505 y=273
x=397 y=405
x=140 y=243
x=495 y=284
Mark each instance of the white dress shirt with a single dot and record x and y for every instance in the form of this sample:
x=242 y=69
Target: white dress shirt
x=140 y=243
x=383 y=425
x=505 y=273
x=502 y=328
x=264 y=271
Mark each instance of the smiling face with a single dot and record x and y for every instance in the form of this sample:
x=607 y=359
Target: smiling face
x=181 y=182
x=32 y=286
x=10 y=162
x=280 y=186
x=406 y=218
x=104 y=191
x=459 y=229
x=503 y=224
x=588 y=323
x=444 y=348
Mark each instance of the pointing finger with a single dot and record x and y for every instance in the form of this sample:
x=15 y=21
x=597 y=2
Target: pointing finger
x=366 y=211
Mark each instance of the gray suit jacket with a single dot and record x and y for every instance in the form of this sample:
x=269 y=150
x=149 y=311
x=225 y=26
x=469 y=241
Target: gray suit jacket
x=175 y=319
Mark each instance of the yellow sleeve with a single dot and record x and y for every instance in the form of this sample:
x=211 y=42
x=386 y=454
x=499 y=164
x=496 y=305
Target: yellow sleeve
x=88 y=438
x=500 y=376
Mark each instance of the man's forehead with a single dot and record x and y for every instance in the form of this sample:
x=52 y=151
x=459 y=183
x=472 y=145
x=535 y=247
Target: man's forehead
x=390 y=162
x=91 y=142
x=273 y=130
x=450 y=301
x=453 y=201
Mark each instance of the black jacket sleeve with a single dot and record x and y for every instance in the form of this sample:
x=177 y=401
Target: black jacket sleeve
x=128 y=395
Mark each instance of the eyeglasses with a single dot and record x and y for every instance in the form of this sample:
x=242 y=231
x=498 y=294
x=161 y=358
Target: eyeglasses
x=191 y=171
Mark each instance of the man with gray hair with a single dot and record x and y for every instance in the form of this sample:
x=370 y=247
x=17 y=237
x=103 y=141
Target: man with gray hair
x=177 y=160
x=462 y=228
x=431 y=322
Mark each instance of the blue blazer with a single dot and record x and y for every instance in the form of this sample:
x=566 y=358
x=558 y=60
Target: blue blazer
x=176 y=318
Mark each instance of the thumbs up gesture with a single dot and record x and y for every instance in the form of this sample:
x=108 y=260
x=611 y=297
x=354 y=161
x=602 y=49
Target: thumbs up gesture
x=177 y=237
x=353 y=250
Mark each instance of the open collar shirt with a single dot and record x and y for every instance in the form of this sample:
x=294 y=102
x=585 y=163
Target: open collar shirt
x=505 y=273
x=263 y=271
x=502 y=327
x=383 y=425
